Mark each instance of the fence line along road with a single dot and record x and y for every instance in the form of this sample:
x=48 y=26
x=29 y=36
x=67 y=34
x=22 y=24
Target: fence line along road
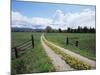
x=21 y=47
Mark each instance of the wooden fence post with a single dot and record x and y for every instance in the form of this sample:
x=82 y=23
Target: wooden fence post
x=32 y=41
x=16 y=52
x=76 y=44
x=67 y=41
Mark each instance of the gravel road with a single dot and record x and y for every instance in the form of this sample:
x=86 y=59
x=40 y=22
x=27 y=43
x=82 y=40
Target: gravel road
x=59 y=64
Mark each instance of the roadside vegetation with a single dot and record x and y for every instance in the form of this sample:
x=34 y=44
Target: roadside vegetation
x=33 y=60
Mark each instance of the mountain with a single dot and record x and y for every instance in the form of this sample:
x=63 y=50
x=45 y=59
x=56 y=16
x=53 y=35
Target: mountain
x=16 y=29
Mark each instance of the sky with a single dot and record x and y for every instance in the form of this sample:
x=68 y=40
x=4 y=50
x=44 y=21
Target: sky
x=38 y=15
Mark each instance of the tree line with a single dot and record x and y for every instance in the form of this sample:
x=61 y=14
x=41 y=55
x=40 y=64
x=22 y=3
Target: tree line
x=71 y=30
x=49 y=29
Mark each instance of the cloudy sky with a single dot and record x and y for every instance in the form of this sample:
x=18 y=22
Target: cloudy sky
x=39 y=15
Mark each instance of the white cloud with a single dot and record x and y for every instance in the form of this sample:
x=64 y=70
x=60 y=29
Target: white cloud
x=42 y=21
x=83 y=18
x=18 y=20
x=58 y=20
x=58 y=17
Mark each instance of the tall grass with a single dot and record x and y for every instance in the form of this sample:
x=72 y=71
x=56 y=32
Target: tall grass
x=33 y=60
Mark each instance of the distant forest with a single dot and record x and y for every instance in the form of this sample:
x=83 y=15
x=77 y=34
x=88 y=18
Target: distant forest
x=71 y=30
x=49 y=29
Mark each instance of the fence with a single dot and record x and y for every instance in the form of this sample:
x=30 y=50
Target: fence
x=72 y=42
x=19 y=49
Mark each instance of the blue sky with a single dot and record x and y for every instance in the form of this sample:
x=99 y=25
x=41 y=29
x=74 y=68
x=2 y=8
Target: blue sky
x=32 y=9
x=46 y=10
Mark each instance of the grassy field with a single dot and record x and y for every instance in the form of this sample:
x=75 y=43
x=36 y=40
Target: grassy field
x=33 y=60
x=86 y=46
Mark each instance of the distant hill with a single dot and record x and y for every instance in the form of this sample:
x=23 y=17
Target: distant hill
x=16 y=29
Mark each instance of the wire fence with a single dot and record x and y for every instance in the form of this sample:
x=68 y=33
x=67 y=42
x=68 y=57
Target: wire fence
x=72 y=42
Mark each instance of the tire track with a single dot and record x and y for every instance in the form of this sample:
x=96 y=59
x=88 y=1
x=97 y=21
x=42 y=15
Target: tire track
x=59 y=64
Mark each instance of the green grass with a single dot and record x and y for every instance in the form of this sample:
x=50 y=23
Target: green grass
x=86 y=46
x=33 y=60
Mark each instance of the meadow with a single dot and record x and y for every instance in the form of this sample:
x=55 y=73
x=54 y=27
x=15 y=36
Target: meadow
x=33 y=60
x=86 y=47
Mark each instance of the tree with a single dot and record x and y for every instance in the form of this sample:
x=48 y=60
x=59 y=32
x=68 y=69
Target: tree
x=48 y=29
x=92 y=30
x=69 y=29
x=60 y=30
x=79 y=29
x=85 y=29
